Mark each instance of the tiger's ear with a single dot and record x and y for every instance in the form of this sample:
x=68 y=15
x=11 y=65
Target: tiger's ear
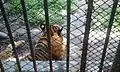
x=42 y=26
x=59 y=31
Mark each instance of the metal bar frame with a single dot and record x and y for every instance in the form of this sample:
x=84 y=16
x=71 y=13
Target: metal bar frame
x=1 y=66
x=113 y=11
x=28 y=33
x=85 y=40
x=86 y=36
x=68 y=33
x=48 y=33
x=116 y=63
x=10 y=34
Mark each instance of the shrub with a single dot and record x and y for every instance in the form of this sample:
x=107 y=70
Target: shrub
x=35 y=10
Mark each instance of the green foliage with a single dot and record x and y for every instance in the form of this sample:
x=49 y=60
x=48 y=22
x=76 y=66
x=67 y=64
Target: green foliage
x=35 y=10
x=117 y=18
x=101 y=17
x=15 y=7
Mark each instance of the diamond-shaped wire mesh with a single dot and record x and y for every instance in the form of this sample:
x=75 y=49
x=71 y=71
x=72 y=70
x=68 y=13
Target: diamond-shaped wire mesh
x=57 y=15
x=100 y=20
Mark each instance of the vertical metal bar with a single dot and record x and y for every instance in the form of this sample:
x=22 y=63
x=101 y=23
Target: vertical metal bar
x=68 y=33
x=108 y=33
x=116 y=63
x=9 y=33
x=48 y=33
x=28 y=33
x=86 y=36
x=1 y=66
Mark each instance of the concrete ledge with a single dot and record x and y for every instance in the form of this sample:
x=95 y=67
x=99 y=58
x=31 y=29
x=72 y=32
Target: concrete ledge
x=42 y=66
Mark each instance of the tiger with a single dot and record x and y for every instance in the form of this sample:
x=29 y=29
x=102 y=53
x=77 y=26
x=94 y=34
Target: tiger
x=57 y=42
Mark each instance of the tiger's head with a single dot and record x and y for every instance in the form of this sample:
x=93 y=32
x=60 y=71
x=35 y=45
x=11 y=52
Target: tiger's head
x=54 y=29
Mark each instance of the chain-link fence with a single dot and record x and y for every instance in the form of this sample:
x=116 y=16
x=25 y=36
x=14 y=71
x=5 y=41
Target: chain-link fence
x=91 y=28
